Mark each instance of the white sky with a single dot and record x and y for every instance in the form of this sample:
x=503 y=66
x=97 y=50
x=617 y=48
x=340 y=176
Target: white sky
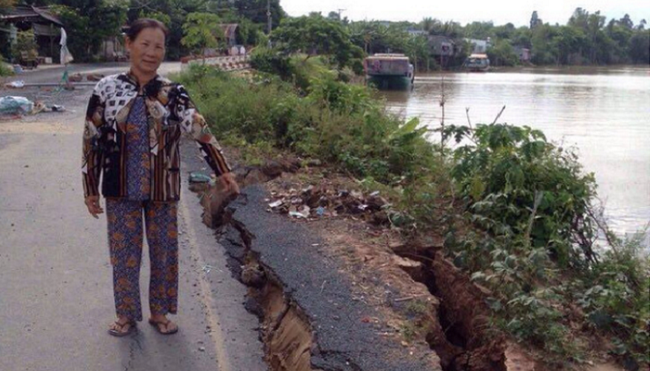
x=464 y=11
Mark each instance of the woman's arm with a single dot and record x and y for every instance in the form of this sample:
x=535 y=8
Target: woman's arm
x=194 y=123
x=91 y=156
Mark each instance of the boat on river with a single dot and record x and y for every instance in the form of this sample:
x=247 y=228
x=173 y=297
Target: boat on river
x=389 y=70
x=477 y=63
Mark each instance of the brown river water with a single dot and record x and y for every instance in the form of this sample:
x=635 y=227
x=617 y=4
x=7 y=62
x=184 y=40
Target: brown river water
x=603 y=111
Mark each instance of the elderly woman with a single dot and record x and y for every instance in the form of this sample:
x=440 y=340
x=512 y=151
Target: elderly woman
x=132 y=132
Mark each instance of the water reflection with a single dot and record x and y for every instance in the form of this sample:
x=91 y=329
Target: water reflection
x=603 y=111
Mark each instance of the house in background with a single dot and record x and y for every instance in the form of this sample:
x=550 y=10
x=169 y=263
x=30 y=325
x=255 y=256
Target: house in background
x=45 y=25
x=441 y=46
x=523 y=53
x=479 y=46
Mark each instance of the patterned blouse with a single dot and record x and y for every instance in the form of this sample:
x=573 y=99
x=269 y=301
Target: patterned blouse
x=168 y=112
x=138 y=165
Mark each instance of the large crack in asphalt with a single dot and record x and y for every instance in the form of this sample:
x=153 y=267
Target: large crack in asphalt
x=285 y=331
x=460 y=336
x=309 y=318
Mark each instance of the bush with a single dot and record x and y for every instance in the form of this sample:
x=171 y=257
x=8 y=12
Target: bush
x=509 y=171
x=25 y=43
x=5 y=69
x=616 y=298
x=273 y=62
x=533 y=244
x=335 y=121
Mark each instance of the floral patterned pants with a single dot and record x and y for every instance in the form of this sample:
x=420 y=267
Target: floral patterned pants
x=125 y=242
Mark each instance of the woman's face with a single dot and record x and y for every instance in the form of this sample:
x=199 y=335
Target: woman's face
x=147 y=50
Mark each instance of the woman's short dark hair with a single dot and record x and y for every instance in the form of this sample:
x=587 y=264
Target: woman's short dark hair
x=140 y=24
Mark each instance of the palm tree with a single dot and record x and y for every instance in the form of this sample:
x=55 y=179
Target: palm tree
x=427 y=24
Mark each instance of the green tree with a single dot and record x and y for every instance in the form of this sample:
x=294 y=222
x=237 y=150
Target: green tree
x=25 y=43
x=542 y=50
x=427 y=24
x=417 y=49
x=639 y=48
x=567 y=42
x=620 y=32
x=6 y=5
x=522 y=37
x=478 y=30
x=159 y=16
x=5 y=50
x=504 y=32
x=85 y=33
x=502 y=54
x=314 y=35
x=335 y=16
x=255 y=10
x=535 y=20
x=201 y=31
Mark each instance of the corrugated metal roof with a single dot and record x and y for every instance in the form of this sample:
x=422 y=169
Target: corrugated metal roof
x=30 y=13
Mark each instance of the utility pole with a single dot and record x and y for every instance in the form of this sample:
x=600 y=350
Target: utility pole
x=268 y=15
x=270 y=20
x=341 y=10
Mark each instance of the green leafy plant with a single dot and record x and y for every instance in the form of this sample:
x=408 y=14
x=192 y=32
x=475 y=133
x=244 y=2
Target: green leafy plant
x=201 y=31
x=25 y=44
x=5 y=69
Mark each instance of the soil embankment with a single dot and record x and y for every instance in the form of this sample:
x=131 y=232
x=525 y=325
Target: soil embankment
x=313 y=316
x=329 y=298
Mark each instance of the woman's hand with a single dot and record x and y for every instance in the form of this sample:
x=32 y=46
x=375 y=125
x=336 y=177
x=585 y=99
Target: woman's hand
x=92 y=203
x=229 y=183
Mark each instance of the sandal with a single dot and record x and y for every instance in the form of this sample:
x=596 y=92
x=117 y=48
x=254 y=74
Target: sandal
x=166 y=323
x=118 y=331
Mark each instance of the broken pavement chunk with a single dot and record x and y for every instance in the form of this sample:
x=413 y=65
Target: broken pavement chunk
x=13 y=105
x=199 y=178
x=19 y=84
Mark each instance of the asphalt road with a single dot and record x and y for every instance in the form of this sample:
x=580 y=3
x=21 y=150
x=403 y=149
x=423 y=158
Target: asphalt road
x=56 y=287
x=53 y=73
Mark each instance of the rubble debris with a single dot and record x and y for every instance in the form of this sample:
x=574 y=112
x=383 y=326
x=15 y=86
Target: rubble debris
x=94 y=76
x=55 y=108
x=77 y=77
x=18 y=84
x=38 y=108
x=199 y=178
x=315 y=202
x=15 y=105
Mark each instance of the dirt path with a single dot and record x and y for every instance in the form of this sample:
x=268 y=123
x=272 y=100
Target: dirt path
x=56 y=297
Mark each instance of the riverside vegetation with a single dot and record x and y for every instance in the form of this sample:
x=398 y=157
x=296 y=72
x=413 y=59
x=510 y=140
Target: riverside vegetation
x=5 y=69
x=517 y=211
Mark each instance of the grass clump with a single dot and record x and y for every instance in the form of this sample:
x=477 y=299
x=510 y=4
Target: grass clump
x=5 y=69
